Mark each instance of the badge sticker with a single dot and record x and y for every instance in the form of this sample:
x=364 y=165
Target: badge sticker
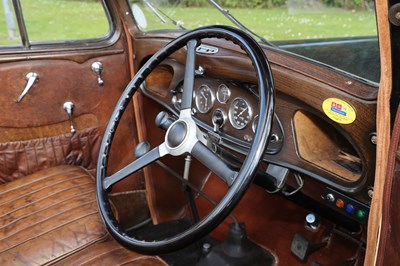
x=339 y=111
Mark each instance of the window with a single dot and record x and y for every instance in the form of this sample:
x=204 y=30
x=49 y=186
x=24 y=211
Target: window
x=53 y=21
x=339 y=33
x=9 y=32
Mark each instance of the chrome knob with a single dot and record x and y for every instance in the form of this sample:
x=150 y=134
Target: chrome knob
x=312 y=221
x=97 y=67
x=218 y=119
x=69 y=108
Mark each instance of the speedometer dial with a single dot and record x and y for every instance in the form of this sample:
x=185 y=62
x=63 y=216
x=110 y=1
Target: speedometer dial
x=240 y=113
x=204 y=99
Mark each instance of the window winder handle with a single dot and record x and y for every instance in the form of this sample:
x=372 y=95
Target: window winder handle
x=31 y=79
x=69 y=108
x=97 y=67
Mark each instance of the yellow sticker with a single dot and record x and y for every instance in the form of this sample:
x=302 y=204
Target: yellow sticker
x=339 y=111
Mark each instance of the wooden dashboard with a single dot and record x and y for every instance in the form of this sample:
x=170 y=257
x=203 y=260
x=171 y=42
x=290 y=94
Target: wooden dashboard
x=327 y=153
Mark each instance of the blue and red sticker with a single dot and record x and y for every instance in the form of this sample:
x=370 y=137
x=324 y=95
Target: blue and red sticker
x=339 y=111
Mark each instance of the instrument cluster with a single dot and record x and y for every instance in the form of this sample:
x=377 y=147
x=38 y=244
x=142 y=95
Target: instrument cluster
x=220 y=101
x=229 y=109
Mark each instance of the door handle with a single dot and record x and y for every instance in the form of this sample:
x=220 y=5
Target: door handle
x=69 y=108
x=97 y=67
x=31 y=78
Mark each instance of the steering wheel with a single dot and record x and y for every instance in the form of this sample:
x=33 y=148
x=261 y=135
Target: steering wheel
x=184 y=137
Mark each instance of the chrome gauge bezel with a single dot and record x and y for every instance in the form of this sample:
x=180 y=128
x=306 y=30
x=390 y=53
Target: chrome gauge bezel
x=231 y=113
x=219 y=93
x=198 y=97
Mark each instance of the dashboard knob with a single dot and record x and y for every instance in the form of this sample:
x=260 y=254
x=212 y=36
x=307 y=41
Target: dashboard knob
x=218 y=119
x=164 y=120
x=312 y=221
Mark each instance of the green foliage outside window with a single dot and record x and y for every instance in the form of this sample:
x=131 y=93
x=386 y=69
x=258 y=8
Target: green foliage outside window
x=345 y=4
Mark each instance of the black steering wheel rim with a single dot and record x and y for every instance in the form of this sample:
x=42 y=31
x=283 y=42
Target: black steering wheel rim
x=246 y=173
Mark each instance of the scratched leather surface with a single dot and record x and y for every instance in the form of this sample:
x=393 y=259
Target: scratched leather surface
x=110 y=253
x=52 y=215
x=21 y=158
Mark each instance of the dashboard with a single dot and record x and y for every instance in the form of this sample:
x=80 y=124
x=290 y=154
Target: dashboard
x=329 y=156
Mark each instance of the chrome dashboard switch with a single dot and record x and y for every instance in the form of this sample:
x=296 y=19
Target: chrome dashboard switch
x=219 y=118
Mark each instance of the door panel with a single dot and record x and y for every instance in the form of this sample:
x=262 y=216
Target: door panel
x=35 y=133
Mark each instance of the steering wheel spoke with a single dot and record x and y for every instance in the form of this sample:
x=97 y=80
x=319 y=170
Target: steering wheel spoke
x=188 y=83
x=214 y=163
x=135 y=166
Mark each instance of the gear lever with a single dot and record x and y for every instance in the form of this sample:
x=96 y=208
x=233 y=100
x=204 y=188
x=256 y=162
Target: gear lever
x=237 y=250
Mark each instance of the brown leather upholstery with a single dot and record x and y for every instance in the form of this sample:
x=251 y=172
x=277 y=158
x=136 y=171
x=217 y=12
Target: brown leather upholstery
x=52 y=216
x=109 y=253
x=22 y=158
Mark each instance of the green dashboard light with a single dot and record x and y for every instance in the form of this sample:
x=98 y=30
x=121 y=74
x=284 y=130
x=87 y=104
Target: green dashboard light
x=361 y=214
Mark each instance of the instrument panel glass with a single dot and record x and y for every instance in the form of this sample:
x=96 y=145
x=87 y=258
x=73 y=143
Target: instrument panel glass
x=204 y=99
x=240 y=113
x=223 y=93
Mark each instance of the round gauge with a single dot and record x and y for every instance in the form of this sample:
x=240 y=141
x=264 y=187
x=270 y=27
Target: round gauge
x=204 y=99
x=223 y=93
x=254 y=125
x=240 y=113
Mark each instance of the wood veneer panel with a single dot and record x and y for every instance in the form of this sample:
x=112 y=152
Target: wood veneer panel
x=318 y=145
x=383 y=131
x=152 y=42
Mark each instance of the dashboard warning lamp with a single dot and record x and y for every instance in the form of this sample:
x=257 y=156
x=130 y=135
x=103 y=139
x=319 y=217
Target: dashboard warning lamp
x=350 y=209
x=339 y=203
x=361 y=214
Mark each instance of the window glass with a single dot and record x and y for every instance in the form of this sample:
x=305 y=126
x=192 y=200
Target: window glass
x=57 y=20
x=339 y=33
x=283 y=20
x=9 y=33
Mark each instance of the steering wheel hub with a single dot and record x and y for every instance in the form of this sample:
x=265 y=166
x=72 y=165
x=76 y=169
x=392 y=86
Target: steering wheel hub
x=176 y=134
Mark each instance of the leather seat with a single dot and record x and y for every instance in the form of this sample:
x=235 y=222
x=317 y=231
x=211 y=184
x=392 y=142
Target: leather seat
x=52 y=217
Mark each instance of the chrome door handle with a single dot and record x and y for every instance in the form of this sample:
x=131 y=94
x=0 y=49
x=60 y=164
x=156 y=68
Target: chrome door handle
x=97 y=67
x=69 y=108
x=31 y=78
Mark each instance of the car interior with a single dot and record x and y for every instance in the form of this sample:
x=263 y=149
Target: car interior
x=178 y=147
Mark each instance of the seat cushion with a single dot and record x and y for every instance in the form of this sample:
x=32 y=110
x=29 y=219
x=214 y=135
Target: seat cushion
x=52 y=216
x=109 y=253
